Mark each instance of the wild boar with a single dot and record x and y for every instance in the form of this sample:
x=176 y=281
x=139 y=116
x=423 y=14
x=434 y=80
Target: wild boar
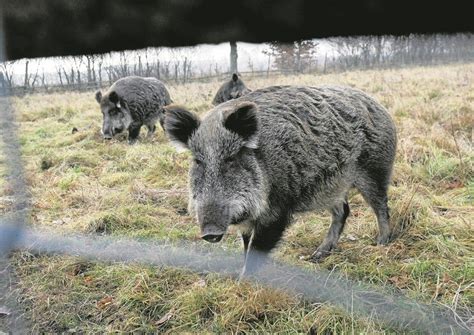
x=130 y=103
x=280 y=150
x=232 y=89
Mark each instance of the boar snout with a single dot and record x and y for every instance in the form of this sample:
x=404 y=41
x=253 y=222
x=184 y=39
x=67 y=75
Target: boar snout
x=235 y=95
x=212 y=232
x=213 y=221
x=118 y=130
x=106 y=135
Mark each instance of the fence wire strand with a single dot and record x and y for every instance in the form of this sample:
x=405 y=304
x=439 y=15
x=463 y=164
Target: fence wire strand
x=12 y=224
x=360 y=299
x=11 y=317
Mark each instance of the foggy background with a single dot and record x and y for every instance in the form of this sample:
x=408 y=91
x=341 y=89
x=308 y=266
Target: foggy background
x=206 y=61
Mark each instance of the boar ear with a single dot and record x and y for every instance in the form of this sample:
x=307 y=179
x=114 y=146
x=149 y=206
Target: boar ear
x=114 y=98
x=98 y=96
x=179 y=125
x=235 y=76
x=243 y=121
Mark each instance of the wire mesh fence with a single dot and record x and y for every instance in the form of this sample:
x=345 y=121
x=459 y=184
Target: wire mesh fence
x=16 y=218
x=322 y=286
x=85 y=86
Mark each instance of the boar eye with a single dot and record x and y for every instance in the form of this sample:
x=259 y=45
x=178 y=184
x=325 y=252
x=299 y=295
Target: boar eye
x=197 y=161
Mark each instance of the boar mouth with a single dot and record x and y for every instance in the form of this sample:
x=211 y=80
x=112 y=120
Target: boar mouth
x=117 y=131
x=212 y=238
x=212 y=234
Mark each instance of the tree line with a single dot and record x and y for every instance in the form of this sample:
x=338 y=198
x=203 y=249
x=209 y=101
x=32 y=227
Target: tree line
x=305 y=56
x=89 y=71
x=367 y=52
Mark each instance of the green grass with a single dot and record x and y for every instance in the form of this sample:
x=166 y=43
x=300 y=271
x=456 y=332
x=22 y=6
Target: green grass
x=79 y=183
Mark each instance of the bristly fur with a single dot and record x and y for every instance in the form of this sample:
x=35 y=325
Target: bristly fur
x=132 y=102
x=314 y=144
x=231 y=89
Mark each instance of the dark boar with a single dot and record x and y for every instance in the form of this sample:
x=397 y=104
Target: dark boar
x=130 y=103
x=280 y=150
x=232 y=89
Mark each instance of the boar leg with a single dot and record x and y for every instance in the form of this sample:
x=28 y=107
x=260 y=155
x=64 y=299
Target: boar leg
x=383 y=219
x=151 y=130
x=133 y=133
x=374 y=190
x=378 y=201
x=263 y=239
x=246 y=240
x=339 y=213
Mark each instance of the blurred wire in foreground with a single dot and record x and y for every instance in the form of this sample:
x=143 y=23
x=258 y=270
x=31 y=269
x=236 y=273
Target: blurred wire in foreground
x=11 y=314
x=10 y=311
x=319 y=286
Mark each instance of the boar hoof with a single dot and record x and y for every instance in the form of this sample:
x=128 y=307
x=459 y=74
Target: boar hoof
x=320 y=254
x=383 y=239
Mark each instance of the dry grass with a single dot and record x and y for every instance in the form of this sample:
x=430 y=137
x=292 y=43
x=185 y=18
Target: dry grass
x=80 y=183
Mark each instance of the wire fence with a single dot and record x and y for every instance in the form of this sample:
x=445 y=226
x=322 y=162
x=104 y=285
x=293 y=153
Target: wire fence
x=317 y=286
x=85 y=86
x=10 y=234
x=95 y=85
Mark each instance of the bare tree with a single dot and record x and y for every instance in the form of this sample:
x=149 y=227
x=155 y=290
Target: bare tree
x=27 y=76
x=298 y=57
x=6 y=76
x=90 y=68
x=304 y=52
x=186 y=69
x=77 y=66
x=292 y=57
x=44 y=84
x=233 y=57
x=60 y=74
x=30 y=79
x=34 y=78
x=100 y=61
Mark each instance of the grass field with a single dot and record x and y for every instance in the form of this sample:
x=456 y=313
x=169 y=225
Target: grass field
x=79 y=183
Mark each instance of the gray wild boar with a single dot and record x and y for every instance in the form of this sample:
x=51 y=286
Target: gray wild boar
x=130 y=103
x=232 y=89
x=284 y=149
